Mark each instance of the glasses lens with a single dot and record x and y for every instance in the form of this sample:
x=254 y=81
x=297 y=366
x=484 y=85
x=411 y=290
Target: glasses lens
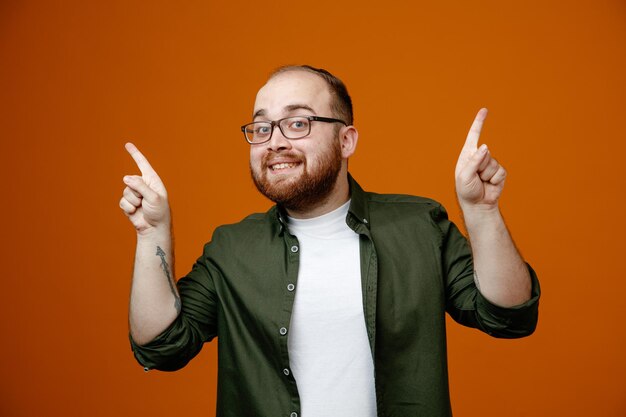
x=258 y=131
x=295 y=127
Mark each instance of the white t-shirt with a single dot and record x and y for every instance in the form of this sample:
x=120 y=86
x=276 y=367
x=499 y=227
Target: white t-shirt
x=329 y=352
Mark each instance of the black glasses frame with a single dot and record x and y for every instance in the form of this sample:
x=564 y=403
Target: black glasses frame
x=275 y=123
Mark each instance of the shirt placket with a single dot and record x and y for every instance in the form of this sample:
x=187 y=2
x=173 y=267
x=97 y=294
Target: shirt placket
x=289 y=286
x=369 y=287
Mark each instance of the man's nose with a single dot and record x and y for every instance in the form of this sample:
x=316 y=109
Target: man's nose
x=278 y=140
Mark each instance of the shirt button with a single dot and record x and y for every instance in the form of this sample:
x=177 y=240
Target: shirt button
x=365 y=221
x=290 y=287
x=286 y=371
x=294 y=414
x=283 y=331
x=294 y=249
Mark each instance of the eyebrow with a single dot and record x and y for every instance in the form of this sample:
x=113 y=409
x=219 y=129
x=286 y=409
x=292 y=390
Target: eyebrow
x=288 y=109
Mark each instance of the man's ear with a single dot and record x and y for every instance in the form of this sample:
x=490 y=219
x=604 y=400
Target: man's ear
x=349 y=137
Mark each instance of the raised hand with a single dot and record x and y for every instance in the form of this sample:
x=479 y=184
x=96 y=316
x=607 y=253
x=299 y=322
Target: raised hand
x=144 y=199
x=479 y=177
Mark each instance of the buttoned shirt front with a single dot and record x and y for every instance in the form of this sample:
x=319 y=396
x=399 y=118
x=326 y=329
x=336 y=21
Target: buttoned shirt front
x=415 y=266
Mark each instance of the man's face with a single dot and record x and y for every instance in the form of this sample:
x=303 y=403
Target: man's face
x=296 y=173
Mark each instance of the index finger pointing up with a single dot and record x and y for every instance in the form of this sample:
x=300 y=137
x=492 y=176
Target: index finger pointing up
x=141 y=161
x=471 y=143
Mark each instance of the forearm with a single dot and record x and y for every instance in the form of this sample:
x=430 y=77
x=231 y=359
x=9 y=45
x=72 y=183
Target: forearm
x=154 y=300
x=499 y=270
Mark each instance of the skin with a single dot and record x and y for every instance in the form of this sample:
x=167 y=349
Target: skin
x=500 y=271
x=154 y=301
x=283 y=96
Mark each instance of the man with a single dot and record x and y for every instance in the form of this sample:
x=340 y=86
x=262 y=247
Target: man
x=331 y=303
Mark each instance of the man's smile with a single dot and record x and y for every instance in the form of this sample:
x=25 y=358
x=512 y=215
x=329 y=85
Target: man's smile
x=283 y=165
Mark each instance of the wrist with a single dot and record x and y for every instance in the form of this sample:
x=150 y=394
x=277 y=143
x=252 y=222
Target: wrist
x=155 y=232
x=479 y=209
x=480 y=215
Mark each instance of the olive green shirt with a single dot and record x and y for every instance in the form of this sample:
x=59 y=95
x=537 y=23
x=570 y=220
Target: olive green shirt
x=415 y=266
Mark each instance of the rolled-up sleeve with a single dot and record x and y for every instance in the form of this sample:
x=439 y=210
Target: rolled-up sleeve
x=195 y=325
x=510 y=322
x=466 y=304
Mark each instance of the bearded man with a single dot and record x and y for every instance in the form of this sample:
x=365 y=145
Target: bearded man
x=333 y=301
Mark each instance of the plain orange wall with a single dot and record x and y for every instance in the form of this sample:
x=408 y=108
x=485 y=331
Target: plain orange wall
x=79 y=78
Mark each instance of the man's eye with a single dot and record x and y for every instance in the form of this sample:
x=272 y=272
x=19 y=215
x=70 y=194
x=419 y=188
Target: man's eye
x=262 y=130
x=300 y=124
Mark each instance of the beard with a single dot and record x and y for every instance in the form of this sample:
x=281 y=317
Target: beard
x=309 y=189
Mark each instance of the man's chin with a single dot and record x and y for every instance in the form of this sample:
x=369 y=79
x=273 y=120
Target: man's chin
x=276 y=187
x=279 y=192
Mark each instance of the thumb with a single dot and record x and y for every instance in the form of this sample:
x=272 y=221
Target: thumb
x=472 y=165
x=137 y=184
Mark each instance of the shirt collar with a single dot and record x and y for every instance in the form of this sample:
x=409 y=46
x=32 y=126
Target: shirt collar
x=359 y=208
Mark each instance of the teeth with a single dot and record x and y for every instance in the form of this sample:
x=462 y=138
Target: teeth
x=283 y=166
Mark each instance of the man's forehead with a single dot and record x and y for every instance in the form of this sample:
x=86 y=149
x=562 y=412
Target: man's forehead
x=285 y=91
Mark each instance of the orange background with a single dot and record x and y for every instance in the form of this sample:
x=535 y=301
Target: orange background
x=79 y=78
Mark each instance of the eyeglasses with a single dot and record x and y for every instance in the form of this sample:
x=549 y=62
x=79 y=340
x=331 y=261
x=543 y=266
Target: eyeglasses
x=296 y=127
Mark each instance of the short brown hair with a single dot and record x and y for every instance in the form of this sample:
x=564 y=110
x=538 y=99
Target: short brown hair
x=341 y=104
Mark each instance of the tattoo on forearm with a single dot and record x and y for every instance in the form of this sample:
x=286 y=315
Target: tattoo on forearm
x=476 y=280
x=166 y=268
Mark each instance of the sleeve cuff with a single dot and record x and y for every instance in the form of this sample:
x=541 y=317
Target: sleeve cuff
x=166 y=352
x=511 y=322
